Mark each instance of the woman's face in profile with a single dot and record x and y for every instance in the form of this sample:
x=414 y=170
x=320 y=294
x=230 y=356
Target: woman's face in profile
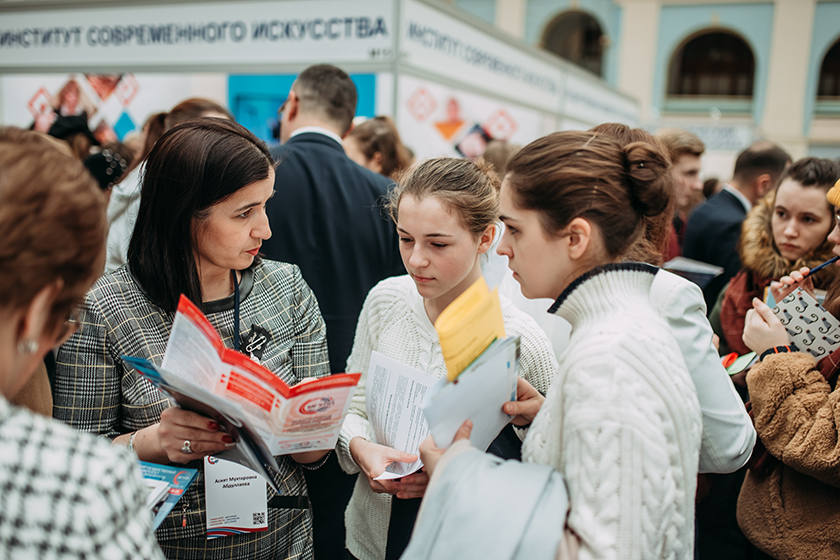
x=232 y=234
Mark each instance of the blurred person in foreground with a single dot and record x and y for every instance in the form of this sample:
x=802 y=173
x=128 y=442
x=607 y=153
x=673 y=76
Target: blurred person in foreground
x=65 y=494
x=684 y=148
x=713 y=229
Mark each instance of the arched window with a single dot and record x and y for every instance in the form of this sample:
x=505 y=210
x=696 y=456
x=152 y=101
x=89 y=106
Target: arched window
x=577 y=37
x=712 y=64
x=829 y=85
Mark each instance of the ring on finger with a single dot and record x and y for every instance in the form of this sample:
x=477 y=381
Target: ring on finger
x=186 y=449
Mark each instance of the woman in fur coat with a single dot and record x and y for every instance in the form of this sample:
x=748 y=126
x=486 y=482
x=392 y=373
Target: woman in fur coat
x=788 y=506
x=784 y=231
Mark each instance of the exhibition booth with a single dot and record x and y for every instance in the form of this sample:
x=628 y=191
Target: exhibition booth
x=451 y=82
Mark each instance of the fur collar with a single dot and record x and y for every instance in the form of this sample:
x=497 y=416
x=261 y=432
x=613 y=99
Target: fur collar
x=759 y=254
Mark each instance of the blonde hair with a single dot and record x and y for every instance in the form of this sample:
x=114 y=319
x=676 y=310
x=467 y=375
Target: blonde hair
x=468 y=188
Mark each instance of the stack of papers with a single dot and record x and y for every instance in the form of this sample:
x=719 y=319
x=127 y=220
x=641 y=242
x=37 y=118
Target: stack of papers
x=405 y=404
x=468 y=326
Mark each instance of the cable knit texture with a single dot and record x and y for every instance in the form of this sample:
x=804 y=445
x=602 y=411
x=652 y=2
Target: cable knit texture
x=621 y=421
x=394 y=322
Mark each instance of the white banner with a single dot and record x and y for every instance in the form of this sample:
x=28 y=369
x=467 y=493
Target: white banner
x=439 y=43
x=295 y=31
x=591 y=102
x=435 y=120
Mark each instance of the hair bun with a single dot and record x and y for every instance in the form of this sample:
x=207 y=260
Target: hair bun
x=648 y=177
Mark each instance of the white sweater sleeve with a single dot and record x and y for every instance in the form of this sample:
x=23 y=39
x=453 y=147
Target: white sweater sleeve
x=356 y=423
x=728 y=433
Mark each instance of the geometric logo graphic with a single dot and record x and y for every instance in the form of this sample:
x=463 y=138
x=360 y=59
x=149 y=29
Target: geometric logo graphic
x=421 y=104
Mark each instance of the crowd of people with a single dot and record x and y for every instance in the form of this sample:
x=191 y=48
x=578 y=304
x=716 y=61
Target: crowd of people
x=627 y=439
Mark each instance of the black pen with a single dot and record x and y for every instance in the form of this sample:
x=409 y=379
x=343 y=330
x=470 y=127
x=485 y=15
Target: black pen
x=818 y=268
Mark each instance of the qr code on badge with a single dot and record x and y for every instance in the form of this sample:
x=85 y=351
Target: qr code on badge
x=259 y=518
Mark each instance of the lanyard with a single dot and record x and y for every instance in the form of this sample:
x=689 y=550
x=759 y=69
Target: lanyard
x=235 y=312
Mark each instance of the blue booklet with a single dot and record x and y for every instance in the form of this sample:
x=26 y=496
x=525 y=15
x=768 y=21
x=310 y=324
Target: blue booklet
x=166 y=485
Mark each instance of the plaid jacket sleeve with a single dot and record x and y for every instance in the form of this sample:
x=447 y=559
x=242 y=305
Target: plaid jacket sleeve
x=94 y=390
x=309 y=353
x=87 y=385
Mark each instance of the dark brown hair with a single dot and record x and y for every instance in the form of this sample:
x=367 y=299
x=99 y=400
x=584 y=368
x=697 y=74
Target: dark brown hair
x=192 y=167
x=327 y=91
x=653 y=244
x=761 y=158
x=572 y=174
x=468 y=188
x=52 y=222
x=193 y=108
x=379 y=134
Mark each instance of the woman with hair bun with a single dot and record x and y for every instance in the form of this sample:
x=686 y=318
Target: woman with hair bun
x=621 y=422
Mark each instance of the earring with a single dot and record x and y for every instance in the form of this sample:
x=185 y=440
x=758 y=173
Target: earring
x=28 y=346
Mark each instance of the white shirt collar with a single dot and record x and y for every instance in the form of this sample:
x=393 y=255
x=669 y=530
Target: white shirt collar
x=317 y=130
x=745 y=202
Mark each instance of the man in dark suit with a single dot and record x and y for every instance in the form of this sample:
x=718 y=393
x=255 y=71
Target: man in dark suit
x=714 y=228
x=326 y=217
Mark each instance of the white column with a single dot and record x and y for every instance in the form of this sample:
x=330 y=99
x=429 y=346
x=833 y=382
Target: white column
x=787 y=76
x=637 y=51
x=510 y=17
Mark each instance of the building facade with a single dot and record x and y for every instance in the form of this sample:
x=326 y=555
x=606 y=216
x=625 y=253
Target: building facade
x=732 y=71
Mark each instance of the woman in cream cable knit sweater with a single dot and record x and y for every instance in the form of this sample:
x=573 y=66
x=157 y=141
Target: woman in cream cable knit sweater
x=621 y=421
x=445 y=211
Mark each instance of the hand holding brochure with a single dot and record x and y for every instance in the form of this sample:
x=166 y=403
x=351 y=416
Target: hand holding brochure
x=482 y=368
x=261 y=413
x=394 y=394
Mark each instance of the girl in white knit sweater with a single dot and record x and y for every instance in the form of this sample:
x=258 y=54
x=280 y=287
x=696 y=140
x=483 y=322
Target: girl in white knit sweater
x=445 y=211
x=621 y=421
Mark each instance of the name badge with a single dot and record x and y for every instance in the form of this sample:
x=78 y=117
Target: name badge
x=237 y=499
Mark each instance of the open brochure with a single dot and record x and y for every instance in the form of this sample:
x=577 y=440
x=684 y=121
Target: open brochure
x=263 y=415
x=166 y=484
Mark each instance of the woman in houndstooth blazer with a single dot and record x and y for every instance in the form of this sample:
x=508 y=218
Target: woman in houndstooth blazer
x=199 y=229
x=64 y=494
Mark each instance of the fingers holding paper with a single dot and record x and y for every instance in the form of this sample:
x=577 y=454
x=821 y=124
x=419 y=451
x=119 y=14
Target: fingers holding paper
x=527 y=405
x=185 y=435
x=373 y=459
x=430 y=453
